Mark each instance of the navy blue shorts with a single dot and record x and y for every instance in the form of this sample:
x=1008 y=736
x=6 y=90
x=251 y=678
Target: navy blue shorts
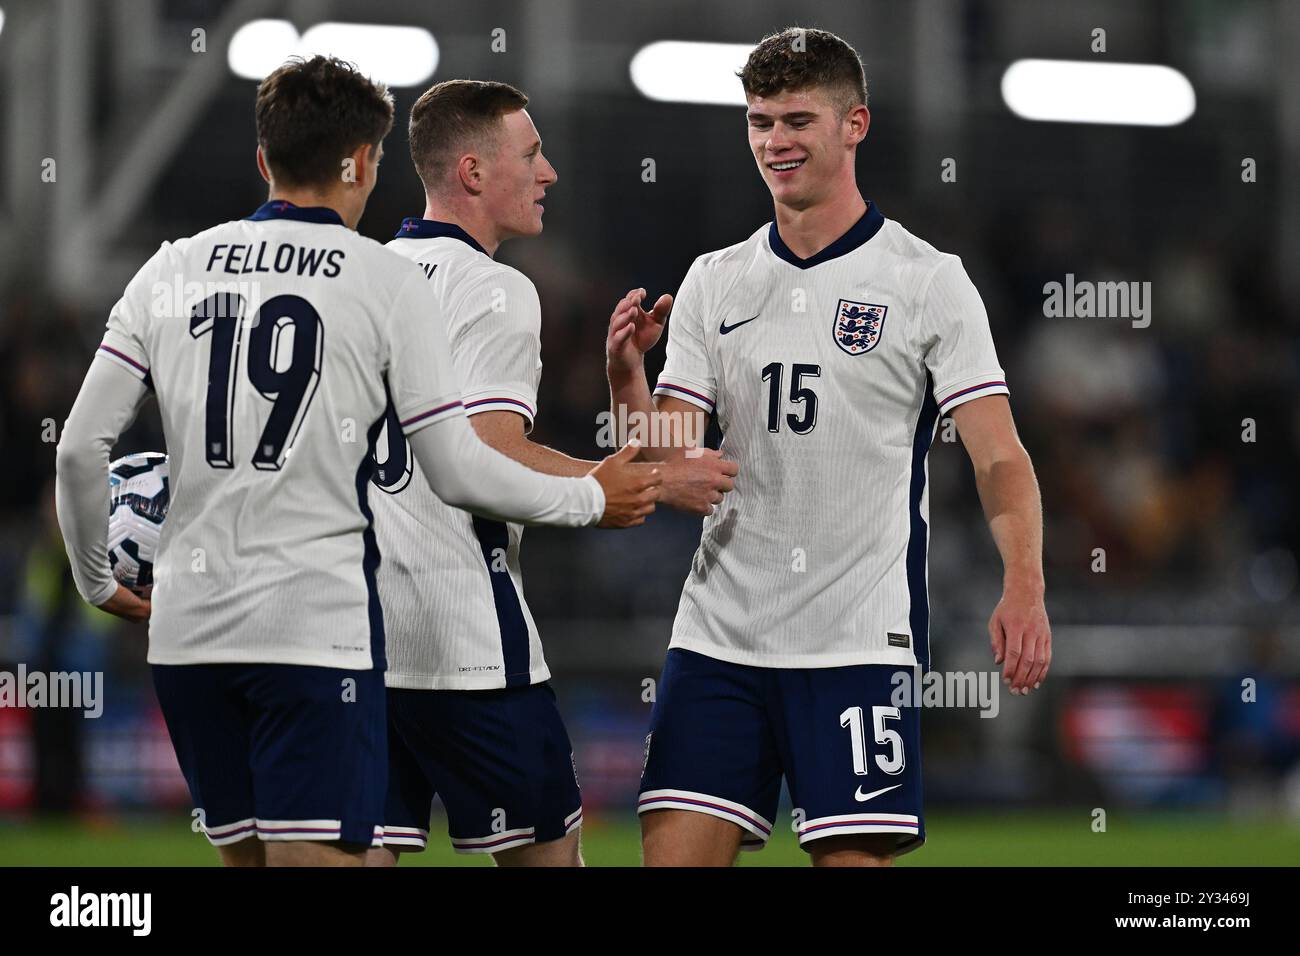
x=722 y=735
x=279 y=751
x=500 y=760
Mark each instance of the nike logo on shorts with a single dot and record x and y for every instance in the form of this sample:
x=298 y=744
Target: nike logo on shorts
x=861 y=797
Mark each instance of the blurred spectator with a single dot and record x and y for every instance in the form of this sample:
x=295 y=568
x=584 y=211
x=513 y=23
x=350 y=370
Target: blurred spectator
x=1257 y=726
x=57 y=631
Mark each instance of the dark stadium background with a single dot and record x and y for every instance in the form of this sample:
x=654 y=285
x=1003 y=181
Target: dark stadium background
x=1136 y=433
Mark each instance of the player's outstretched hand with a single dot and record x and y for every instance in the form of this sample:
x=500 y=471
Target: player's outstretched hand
x=1022 y=640
x=633 y=331
x=697 y=481
x=631 y=489
x=128 y=605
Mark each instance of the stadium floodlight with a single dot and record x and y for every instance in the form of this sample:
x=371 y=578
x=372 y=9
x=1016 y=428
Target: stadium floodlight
x=259 y=46
x=396 y=55
x=2 y=20
x=676 y=71
x=1077 y=91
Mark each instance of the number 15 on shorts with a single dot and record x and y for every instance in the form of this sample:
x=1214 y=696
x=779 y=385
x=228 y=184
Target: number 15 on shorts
x=893 y=760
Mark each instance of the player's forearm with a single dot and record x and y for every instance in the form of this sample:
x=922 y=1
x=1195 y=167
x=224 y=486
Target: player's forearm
x=466 y=473
x=630 y=401
x=105 y=406
x=540 y=458
x=1009 y=493
x=81 y=498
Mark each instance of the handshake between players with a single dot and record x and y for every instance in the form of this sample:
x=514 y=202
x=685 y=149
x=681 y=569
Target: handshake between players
x=694 y=484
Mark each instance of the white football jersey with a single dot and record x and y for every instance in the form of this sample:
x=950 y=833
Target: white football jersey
x=450 y=583
x=827 y=377
x=268 y=342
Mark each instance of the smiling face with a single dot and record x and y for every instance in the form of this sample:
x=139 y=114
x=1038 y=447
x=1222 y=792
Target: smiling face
x=804 y=144
x=516 y=177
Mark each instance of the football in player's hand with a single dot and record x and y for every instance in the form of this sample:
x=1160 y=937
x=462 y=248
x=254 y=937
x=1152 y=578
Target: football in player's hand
x=139 y=490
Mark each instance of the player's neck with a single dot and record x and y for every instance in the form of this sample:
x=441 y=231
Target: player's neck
x=808 y=231
x=479 y=227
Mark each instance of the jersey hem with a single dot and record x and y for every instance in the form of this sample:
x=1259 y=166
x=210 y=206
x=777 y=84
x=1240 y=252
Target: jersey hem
x=253 y=657
x=731 y=655
x=402 y=681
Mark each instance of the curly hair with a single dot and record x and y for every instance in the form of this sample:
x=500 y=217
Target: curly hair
x=798 y=59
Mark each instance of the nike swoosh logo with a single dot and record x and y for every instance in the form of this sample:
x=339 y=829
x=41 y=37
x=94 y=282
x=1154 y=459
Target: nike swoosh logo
x=724 y=328
x=861 y=797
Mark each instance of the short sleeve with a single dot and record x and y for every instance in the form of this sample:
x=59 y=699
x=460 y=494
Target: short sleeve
x=955 y=340
x=688 y=370
x=126 y=339
x=422 y=382
x=497 y=347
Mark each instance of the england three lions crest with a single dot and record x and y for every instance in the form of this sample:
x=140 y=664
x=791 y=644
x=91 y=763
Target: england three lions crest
x=858 y=326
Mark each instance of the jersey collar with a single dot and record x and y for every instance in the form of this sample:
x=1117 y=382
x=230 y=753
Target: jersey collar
x=859 y=233
x=283 y=209
x=413 y=227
